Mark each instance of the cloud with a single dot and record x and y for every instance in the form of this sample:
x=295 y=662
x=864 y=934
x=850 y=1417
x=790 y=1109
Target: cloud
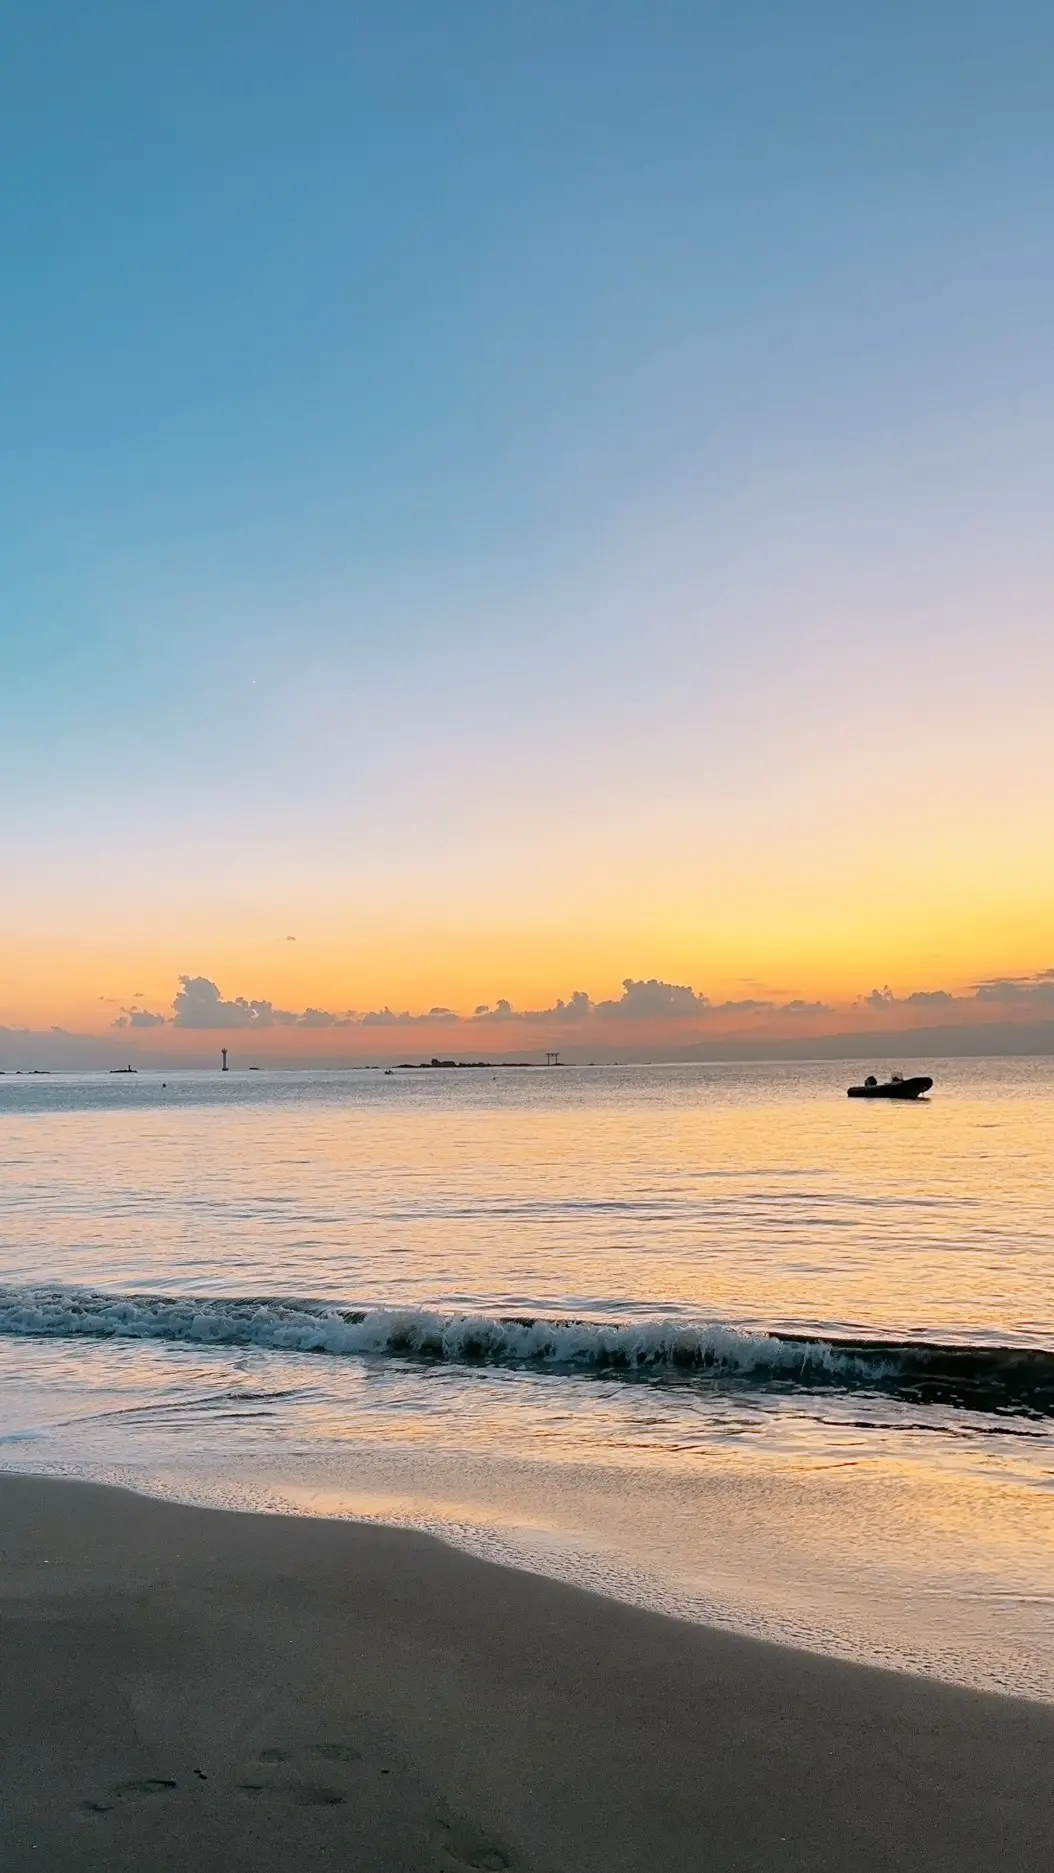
x=1020 y=991
x=798 y=1007
x=919 y=998
x=673 y=1001
x=502 y=1011
x=199 y=1004
x=138 y=1018
x=266 y=1016
x=739 y=1008
x=1029 y=989
x=644 y=1001
x=577 y=1008
x=384 y=1018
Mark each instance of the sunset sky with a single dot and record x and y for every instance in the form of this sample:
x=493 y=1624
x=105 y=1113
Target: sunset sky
x=509 y=501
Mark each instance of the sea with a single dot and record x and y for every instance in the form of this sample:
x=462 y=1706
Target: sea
x=711 y=1339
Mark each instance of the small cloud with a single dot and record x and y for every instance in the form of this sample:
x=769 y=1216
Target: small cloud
x=502 y=1011
x=799 y=1007
x=576 y=1008
x=880 y=998
x=317 y=1018
x=290 y=939
x=264 y=1015
x=138 y=1018
x=919 y=998
x=1017 y=989
x=385 y=1018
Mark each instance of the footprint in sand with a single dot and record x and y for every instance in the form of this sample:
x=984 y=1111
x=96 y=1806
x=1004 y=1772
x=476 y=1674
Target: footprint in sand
x=330 y=1752
x=148 y=1785
x=471 y=1849
x=299 y=1794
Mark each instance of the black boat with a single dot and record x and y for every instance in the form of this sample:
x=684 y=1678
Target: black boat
x=896 y=1087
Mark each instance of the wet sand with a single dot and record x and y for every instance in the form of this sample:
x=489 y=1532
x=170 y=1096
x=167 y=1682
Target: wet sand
x=184 y=1688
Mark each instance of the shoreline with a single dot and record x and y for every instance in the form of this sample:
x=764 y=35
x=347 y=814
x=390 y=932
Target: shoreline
x=207 y=1687
x=588 y=1570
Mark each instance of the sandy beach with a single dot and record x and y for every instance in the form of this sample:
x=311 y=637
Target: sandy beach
x=193 y=1688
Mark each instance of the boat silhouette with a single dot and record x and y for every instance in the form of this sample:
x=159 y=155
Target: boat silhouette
x=896 y=1087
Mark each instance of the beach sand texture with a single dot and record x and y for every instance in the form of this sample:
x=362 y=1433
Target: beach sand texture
x=187 y=1688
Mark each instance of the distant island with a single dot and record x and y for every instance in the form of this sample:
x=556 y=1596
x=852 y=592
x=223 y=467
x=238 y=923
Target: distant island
x=418 y=1066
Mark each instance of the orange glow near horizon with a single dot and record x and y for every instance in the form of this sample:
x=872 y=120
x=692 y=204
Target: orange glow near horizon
x=761 y=923
x=84 y=989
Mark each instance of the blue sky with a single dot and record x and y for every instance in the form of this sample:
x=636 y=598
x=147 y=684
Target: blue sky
x=519 y=456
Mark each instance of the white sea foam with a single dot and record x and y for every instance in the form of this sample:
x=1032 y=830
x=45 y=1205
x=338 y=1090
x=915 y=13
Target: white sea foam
x=986 y=1377
x=317 y=1327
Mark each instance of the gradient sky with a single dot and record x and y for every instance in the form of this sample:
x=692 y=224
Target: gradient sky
x=519 y=497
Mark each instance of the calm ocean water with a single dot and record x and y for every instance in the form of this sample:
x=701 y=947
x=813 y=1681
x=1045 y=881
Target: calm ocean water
x=713 y=1339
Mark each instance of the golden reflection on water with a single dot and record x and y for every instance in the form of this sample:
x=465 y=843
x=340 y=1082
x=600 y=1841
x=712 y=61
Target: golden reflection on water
x=907 y=1534
x=756 y=1195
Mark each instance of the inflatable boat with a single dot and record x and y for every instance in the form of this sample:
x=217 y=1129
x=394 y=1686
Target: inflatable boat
x=896 y=1087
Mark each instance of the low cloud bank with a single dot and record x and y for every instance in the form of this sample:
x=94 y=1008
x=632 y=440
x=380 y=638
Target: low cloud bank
x=920 y=998
x=199 y=1004
x=1034 y=991
x=1015 y=990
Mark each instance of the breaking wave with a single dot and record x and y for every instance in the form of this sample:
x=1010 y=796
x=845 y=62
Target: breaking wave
x=985 y=1378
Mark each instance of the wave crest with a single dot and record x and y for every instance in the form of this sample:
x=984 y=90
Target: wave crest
x=1018 y=1379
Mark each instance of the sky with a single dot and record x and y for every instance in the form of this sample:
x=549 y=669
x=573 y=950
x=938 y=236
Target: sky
x=508 y=503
